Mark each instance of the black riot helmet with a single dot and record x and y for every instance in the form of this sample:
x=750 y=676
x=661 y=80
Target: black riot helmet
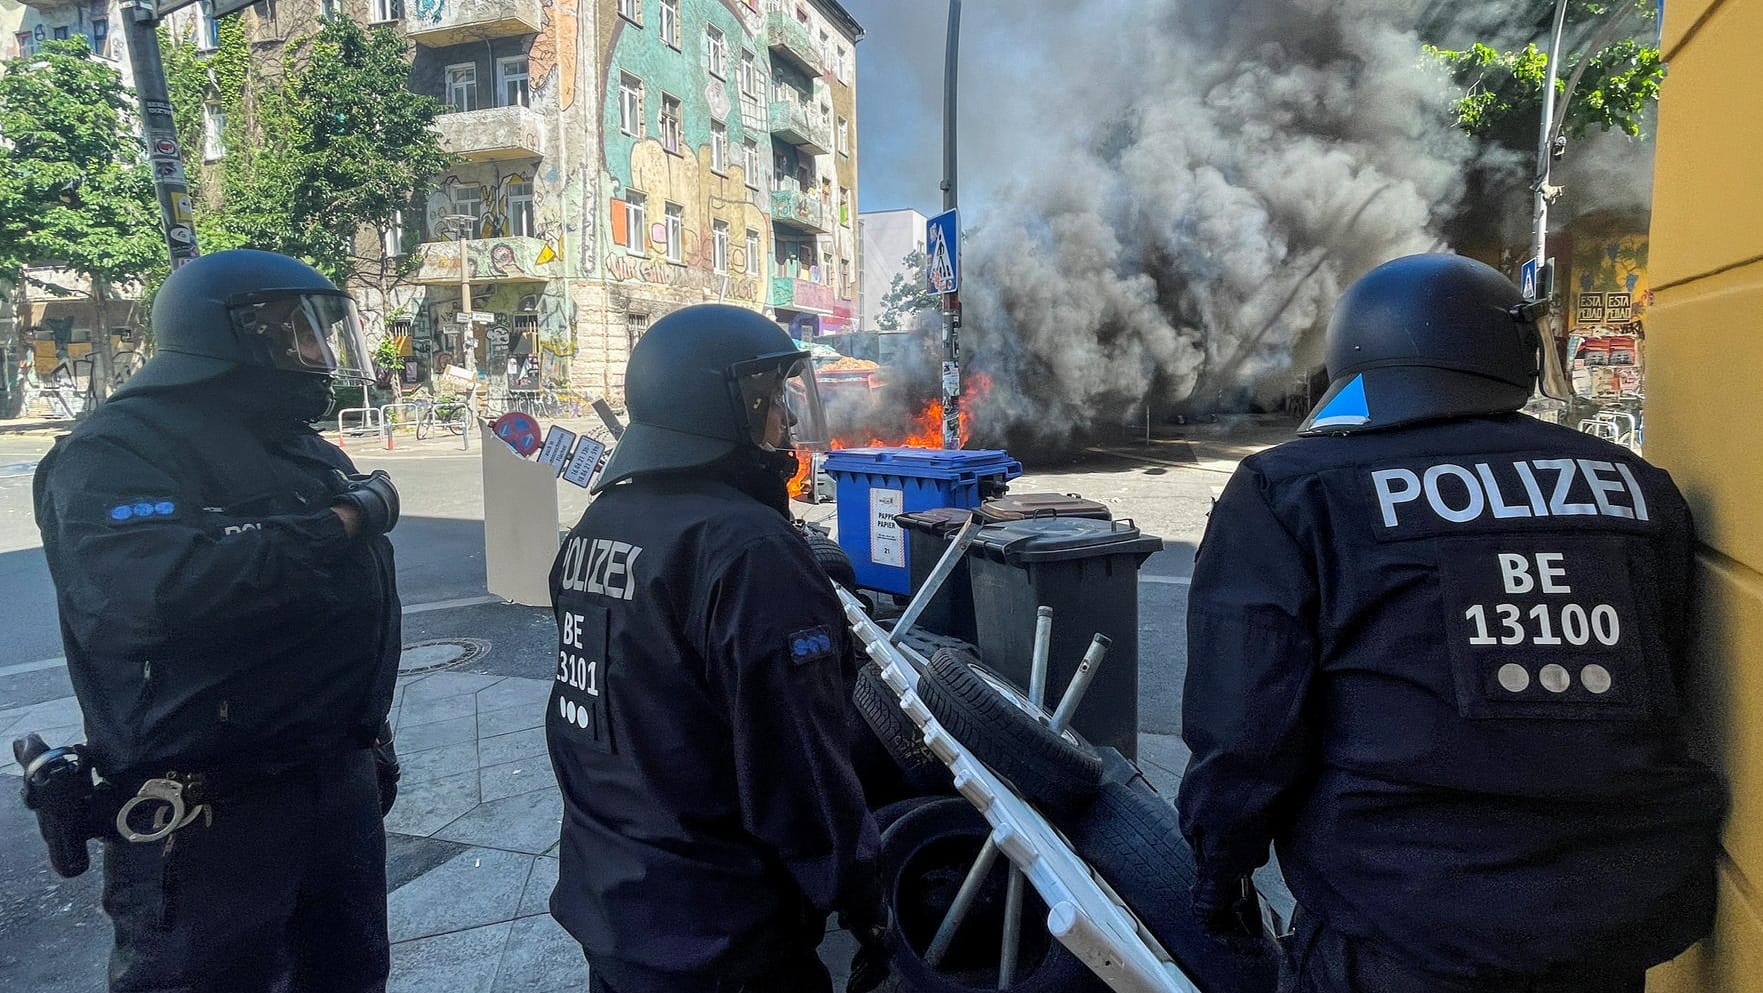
x=246 y=308
x=704 y=382
x=1427 y=337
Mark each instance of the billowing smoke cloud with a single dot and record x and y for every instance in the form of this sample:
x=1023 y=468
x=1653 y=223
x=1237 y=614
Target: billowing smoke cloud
x=1201 y=182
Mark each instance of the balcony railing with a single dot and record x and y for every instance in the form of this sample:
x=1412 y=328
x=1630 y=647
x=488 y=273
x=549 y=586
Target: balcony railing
x=797 y=124
x=794 y=208
x=443 y=24
x=489 y=260
x=492 y=133
x=790 y=41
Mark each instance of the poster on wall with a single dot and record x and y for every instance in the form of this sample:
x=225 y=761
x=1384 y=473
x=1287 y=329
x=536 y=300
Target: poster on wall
x=1591 y=308
x=1618 y=308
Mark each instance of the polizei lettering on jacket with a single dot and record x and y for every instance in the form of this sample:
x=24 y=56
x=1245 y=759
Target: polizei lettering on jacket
x=600 y=565
x=1466 y=492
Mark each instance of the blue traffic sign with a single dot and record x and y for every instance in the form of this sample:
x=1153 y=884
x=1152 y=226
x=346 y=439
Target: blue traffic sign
x=1527 y=279
x=942 y=249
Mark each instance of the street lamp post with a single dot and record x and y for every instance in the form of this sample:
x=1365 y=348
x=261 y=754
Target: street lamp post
x=951 y=301
x=1545 y=149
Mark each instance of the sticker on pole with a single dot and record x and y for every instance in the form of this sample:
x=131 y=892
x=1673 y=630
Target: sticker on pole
x=887 y=543
x=583 y=464
x=520 y=430
x=942 y=238
x=556 y=450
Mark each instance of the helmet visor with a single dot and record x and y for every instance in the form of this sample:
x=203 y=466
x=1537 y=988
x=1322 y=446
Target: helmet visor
x=305 y=331
x=781 y=402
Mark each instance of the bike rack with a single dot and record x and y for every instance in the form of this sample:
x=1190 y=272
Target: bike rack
x=369 y=416
x=1084 y=914
x=407 y=410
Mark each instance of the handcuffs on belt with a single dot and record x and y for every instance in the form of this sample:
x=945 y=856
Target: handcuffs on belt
x=170 y=814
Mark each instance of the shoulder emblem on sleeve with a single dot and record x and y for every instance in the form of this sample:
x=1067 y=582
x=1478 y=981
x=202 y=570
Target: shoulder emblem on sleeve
x=811 y=645
x=134 y=511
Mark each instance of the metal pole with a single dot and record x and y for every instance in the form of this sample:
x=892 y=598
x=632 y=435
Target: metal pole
x=1545 y=143
x=140 y=21
x=934 y=582
x=952 y=301
x=1037 y=693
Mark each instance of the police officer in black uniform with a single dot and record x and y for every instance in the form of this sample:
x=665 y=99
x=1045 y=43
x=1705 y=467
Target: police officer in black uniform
x=1435 y=656
x=698 y=724
x=231 y=623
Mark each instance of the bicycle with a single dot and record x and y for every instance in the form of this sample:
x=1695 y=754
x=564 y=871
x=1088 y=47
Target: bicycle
x=447 y=413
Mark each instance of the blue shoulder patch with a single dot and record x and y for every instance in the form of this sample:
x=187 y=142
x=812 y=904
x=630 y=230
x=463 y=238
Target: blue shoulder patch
x=811 y=645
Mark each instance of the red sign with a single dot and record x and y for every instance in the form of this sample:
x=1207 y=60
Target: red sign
x=520 y=431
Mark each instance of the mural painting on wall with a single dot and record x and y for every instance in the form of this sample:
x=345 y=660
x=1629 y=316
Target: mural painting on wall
x=667 y=179
x=1610 y=277
x=551 y=61
x=787 y=292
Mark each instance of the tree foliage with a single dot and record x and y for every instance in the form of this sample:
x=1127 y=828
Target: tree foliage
x=75 y=189
x=331 y=143
x=908 y=295
x=1501 y=78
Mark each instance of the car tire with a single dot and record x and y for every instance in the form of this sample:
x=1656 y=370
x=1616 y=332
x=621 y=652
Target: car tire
x=924 y=857
x=1057 y=772
x=832 y=557
x=924 y=773
x=1131 y=836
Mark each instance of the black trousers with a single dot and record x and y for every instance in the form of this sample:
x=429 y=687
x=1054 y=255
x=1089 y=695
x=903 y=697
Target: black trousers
x=800 y=973
x=284 y=891
x=1319 y=959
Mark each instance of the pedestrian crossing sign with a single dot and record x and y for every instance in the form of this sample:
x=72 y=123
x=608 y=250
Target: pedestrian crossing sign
x=942 y=238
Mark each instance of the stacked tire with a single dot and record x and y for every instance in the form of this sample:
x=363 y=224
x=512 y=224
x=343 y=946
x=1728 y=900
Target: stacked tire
x=1115 y=820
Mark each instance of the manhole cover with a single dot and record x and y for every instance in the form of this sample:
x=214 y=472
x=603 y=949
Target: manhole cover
x=428 y=656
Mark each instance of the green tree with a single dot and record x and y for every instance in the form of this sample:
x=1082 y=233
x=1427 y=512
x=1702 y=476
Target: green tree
x=323 y=150
x=1609 y=60
x=908 y=295
x=75 y=190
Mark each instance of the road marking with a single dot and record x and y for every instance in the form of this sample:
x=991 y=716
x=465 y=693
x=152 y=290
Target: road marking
x=1168 y=580
x=19 y=668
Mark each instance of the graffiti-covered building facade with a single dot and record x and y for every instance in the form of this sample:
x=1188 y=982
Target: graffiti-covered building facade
x=616 y=160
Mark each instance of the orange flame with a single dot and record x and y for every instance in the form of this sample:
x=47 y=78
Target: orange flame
x=925 y=430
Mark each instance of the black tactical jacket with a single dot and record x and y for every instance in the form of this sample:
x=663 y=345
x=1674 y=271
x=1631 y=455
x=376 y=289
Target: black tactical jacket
x=1439 y=666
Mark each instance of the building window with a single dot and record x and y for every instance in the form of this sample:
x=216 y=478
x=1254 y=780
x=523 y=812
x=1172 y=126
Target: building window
x=750 y=162
x=844 y=66
x=845 y=206
x=753 y=259
x=213 y=132
x=630 y=105
x=207 y=28
x=327 y=8
x=826 y=50
x=27 y=45
x=468 y=200
x=511 y=81
x=670 y=125
x=462 y=86
x=718 y=147
x=636 y=221
x=631 y=10
x=670 y=22
x=719 y=242
x=60 y=33
x=749 y=75
x=676 y=235
x=520 y=209
x=387 y=10
x=635 y=326
x=844 y=136
x=716 y=48
x=101 y=37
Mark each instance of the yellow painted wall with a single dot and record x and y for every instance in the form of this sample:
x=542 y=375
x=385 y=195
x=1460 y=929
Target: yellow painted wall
x=1705 y=356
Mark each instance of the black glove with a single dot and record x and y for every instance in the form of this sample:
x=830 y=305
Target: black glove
x=372 y=495
x=1229 y=910
x=385 y=764
x=868 y=923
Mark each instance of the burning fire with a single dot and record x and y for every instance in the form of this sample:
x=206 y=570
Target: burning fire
x=925 y=430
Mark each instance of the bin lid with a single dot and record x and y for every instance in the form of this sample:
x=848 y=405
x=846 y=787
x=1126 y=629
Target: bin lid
x=940 y=521
x=923 y=463
x=1056 y=539
x=1018 y=506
